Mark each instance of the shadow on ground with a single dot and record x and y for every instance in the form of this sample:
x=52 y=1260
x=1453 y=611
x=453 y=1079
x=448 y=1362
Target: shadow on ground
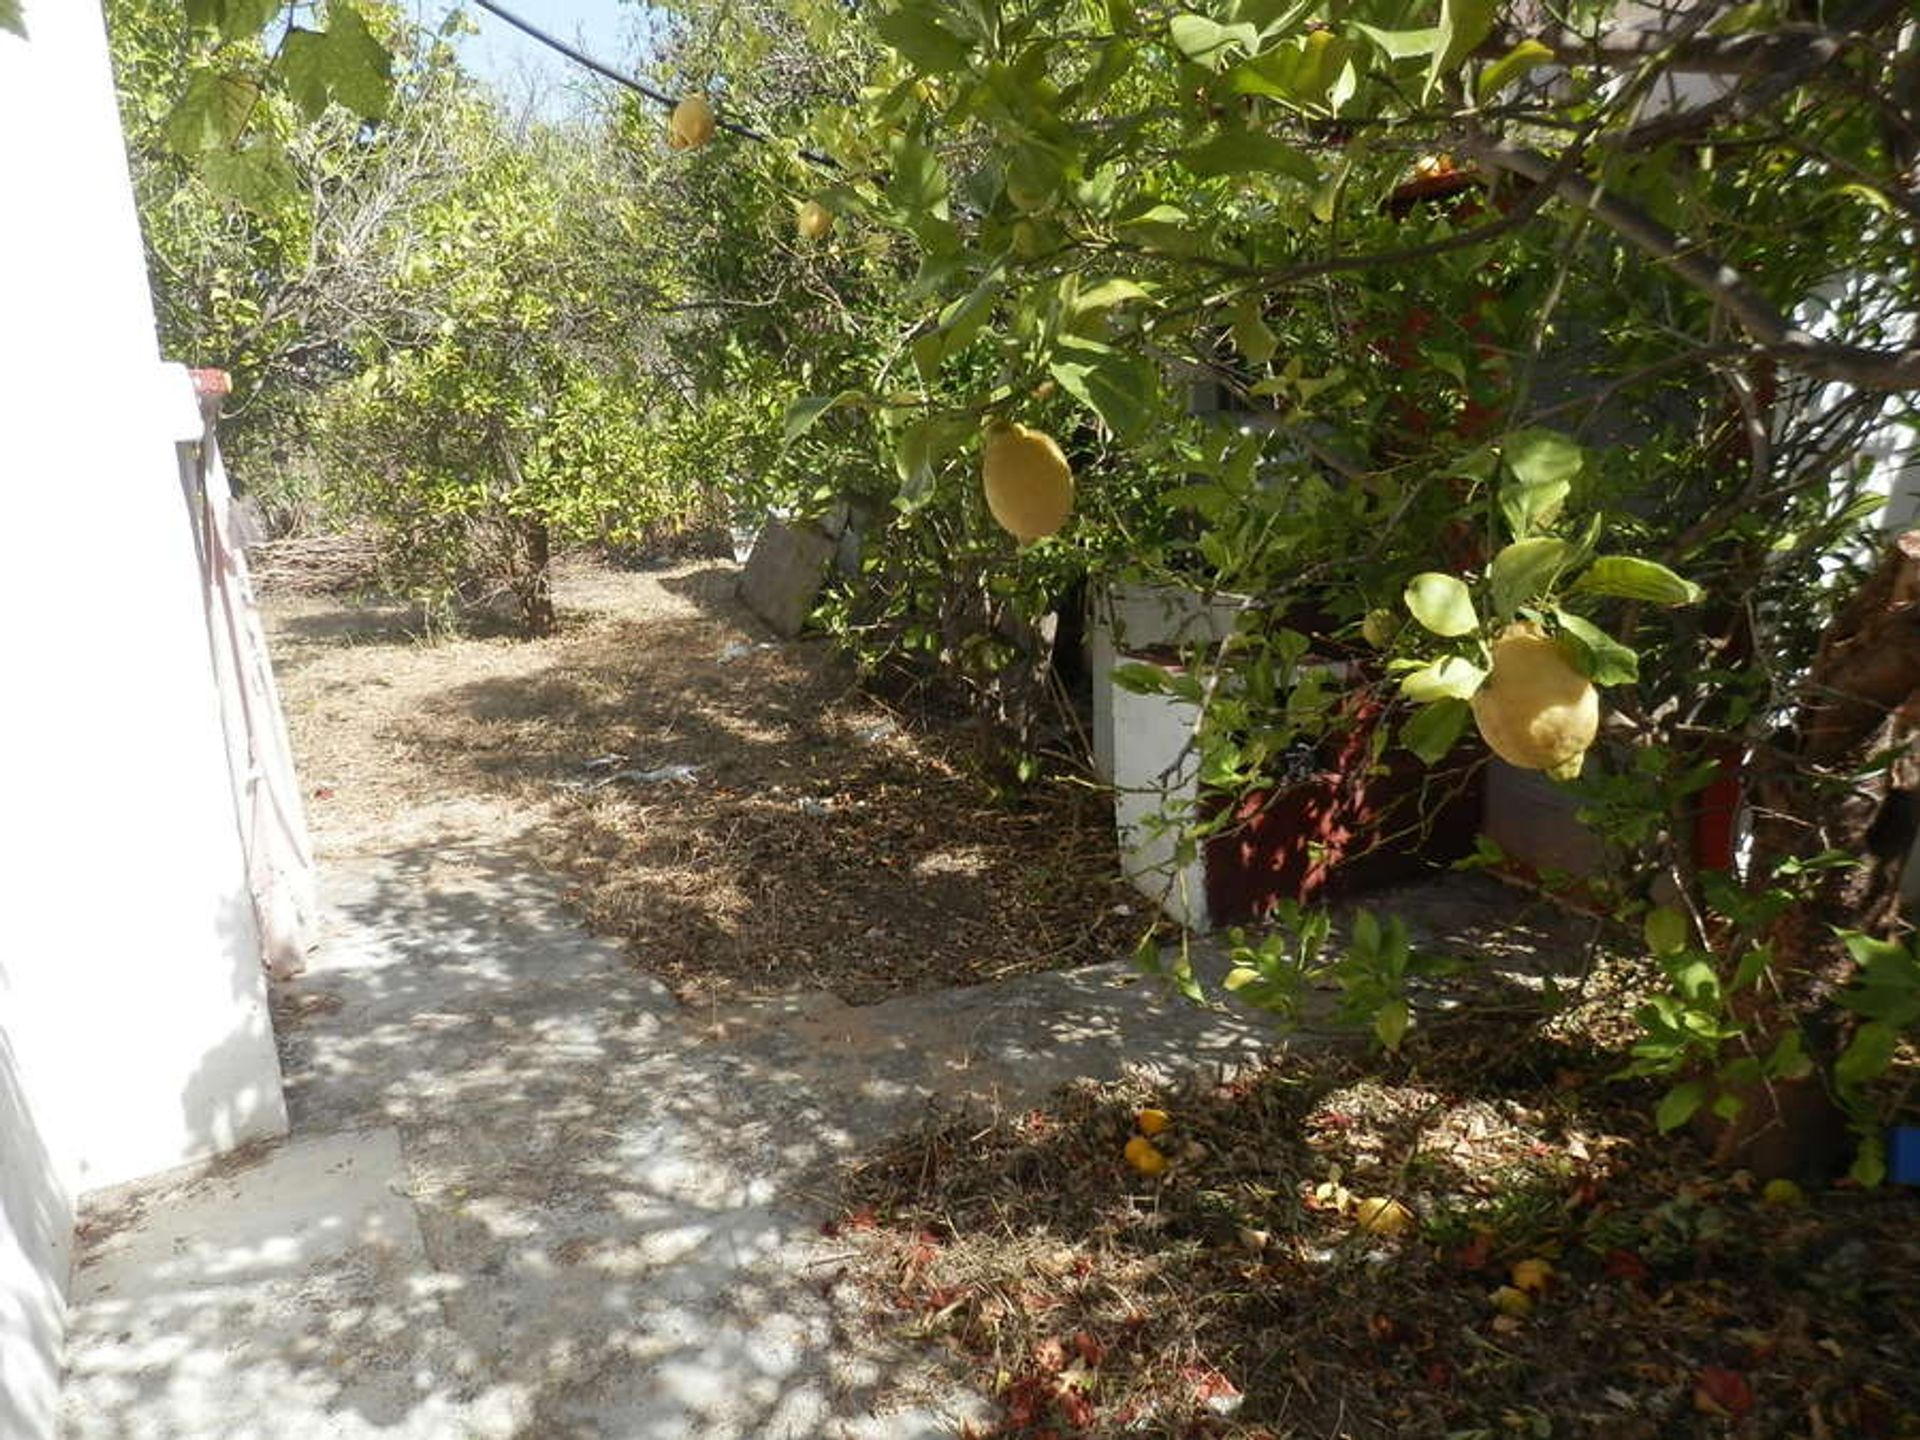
x=529 y=1194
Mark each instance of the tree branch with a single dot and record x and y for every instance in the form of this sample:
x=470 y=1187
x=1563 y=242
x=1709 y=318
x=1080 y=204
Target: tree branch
x=1860 y=366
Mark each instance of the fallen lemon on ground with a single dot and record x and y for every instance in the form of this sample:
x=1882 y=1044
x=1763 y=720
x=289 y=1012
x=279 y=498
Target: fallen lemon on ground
x=1535 y=710
x=1510 y=1301
x=815 y=221
x=1152 y=1122
x=1531 y=1277
x=1782 y=1195
x=1028 y=482
x=691 y=124
x=1143 y=1157
x=1380 y=1216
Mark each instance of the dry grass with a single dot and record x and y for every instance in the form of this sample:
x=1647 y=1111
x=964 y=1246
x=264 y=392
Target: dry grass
x=1239 y=1296
x=824 y=841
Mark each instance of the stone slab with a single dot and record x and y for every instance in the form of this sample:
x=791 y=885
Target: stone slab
x=784 y=574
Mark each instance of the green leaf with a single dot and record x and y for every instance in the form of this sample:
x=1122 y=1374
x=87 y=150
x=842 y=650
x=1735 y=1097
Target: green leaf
x=259 y=176
x=1107 y=294
x=921 y=447
x=12 y=19
x=1435 y=729
x=1442 y=604
x=1508 y=68
x=1667 y=930
x=802 y=414
x=1678 y=1105
x=1867 y=1055
x=1752 y=966
x=244 y=19
x=1403 y=44
x=1366 y=935
x=1139 y=678
x=1869 y=1168
x=1247 y=152
x=918 y=185
x=1251 y=335
x=303 y=64
x=959 y=322
x=1205 y=41
x=1528 y=508
x=1449 y=678
x=211 y=112
x=1630 y=578
x=1390 y=1023
x=928 y=46
x=1697 y=982
x=1603 y=659
x=1303 y=71
x=1538 y=456
x=359 y=69
x=1525 y=570
x=1463 y=25
x=1119 y=388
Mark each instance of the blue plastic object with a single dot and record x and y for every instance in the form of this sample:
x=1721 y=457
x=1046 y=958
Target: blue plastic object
x=1903 y=1155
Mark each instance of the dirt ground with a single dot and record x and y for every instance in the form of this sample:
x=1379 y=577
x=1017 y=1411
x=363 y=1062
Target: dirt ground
x=730 y=805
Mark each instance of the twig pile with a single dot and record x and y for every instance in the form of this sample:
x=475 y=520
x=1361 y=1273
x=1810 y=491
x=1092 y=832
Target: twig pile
x=314 y=564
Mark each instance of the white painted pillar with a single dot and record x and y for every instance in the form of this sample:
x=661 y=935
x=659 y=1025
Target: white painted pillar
x=134 y=1033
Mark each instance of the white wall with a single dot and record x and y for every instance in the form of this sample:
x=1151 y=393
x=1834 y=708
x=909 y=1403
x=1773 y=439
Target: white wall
x=133 y=1025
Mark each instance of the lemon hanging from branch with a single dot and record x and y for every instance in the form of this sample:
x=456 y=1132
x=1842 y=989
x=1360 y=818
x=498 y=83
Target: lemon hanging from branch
x=1028 y=482
x=1535 y=710
x=692 y=123
x=815 y=221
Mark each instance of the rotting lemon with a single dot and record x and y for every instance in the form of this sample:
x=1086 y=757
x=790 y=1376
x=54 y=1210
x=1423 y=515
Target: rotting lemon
x=1152 y=1122
x=691 y=124
x=1028 y=482
x=1535 y=710
x=1380 y=1216
x=1142 y=1156
x=815 y=221
x=1782 y=1194
x=1509 y=1300
x=1532 y=1277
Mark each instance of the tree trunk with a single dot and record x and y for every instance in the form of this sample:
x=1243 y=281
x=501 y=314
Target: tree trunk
x=1826 y=786
x=533 y=577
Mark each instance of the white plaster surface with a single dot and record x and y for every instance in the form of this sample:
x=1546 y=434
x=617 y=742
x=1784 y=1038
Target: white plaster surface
x=133 y=1025
x=1156 y=780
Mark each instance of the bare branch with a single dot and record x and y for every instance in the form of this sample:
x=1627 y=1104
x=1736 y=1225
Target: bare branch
x=1857 y=365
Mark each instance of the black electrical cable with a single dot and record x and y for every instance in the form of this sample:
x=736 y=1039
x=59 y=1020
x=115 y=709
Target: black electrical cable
x=620 y=78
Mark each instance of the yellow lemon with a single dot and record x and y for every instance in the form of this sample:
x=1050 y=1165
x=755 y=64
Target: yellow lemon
x=815 y=221
x=1028 y=482
x=1511 y=1301
x=691 y=124
x=1152 y=1122
x=1535 y=710
x=1782 y=1195
x=1379 y=1216
x=1531 y=1277
x=1143 y=1157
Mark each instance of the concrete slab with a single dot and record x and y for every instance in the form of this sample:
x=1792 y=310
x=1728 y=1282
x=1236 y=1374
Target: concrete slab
x=785 y=572
x=530 y=1196
x=283 y=1293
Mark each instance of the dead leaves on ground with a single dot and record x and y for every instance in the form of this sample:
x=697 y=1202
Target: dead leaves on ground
x=1565 y=1272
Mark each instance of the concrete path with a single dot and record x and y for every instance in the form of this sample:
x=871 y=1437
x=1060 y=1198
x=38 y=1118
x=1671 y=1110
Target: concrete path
x=527 y=1194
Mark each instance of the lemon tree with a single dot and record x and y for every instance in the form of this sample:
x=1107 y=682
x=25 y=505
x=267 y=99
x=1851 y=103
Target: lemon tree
x=1449 y=338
